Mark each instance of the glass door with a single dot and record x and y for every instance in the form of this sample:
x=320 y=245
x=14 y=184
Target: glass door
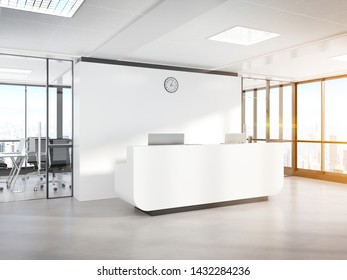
x=267 y=114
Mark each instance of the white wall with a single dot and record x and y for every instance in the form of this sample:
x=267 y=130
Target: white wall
x=117 y=106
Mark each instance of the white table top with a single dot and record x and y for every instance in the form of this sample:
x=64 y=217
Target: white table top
x=10 y=154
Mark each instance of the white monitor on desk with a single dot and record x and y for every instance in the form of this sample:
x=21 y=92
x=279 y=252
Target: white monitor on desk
x=166 y=139
x=235 y=138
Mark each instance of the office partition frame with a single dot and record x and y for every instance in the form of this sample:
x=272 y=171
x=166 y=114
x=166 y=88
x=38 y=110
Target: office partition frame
x=47 y=86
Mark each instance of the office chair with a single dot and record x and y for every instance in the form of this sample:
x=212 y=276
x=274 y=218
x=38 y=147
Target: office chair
x=58 y=160
x=33 y=149
x=3 y=165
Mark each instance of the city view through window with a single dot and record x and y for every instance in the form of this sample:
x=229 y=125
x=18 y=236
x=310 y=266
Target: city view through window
x=22 y=108
x=311 y=101
x=321 y=126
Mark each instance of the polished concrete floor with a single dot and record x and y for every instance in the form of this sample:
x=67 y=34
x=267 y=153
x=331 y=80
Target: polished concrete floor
x=307 y=220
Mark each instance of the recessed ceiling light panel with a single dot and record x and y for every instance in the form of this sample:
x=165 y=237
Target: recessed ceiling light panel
x=340 y=57
x=243 y=36
x=63 y=8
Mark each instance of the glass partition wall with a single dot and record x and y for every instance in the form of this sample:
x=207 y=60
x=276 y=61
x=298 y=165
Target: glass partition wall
x=36 y=108
x=267 y=114
x=308 y=117
x=59 y=127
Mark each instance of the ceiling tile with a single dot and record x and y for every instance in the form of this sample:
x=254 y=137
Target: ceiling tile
x=162 y=19
x=78 y=40
x=129 y=6
x=31 y=17
x=13 y=29
x=20 y=44
x=274 y=4
x=96 y=19
x=332 y=10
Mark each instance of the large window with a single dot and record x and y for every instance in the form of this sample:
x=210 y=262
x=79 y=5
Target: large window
x=335 y=123
x=309 y=125
x=322 y=125
x=309 y=111
x=312 y=124
x=335 y=110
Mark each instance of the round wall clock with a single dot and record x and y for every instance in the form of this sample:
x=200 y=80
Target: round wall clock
x=171 y=84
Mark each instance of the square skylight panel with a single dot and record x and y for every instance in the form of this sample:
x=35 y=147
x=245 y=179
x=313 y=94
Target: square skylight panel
x=63 y=8
x=243 y=36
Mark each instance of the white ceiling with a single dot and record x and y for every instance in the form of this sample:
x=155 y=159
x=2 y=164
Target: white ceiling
x=175 y=32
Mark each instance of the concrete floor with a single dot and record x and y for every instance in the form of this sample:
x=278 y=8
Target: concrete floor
x=307 y=220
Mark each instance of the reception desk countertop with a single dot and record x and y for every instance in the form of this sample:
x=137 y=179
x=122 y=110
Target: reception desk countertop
x=171 y=176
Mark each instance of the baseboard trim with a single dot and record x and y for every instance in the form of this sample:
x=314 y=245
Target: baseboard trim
x=203 y=206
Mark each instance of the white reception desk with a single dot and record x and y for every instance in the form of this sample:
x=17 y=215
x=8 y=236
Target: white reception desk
x=172 y=176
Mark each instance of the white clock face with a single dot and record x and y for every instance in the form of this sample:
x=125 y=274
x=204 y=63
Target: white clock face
x=171 y=85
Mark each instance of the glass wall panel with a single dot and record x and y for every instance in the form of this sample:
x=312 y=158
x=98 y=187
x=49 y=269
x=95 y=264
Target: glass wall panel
x=12 y=112
x=274 y=113
x=60 y=105
x=36 y=111
x=309 y=111
x=67 y=113
x=22 y=106
x=287 y=113
x=52 y=112
x=249 y=112
x=309 y=156
x=12 y=118
x=335 y=110
x=261 y=114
